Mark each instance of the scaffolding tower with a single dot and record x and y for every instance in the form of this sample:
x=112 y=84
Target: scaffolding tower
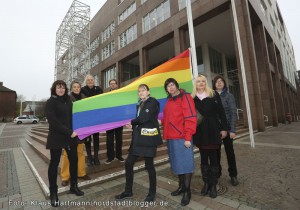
x=72 y=50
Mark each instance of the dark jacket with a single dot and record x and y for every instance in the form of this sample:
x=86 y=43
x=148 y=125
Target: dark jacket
x=142 y=144
x=229 y=106
x=88 y=92
x=73 y=98
x=59 y=115
x=208 y=132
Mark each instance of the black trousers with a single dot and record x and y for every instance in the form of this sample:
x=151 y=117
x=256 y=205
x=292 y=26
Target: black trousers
x=55 y=155
x=110 y=136
x=149 y=164
x=88 y=142
x=209 y=157
x=228 y=145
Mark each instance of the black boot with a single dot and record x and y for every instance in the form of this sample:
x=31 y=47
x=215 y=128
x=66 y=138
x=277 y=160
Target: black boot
x=213 y=181
x=205 y=175
x=54 y=199
x=180 y=189
x=96 y=159
x=75 y=190
x=89 y=160
x=186 y=197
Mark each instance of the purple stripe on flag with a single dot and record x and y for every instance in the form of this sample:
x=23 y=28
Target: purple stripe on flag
x=87 y=131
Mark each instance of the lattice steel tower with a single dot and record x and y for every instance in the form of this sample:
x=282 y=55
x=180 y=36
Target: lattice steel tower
x=72 y=51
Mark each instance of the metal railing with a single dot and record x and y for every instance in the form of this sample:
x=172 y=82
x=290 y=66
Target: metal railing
x=237 y=113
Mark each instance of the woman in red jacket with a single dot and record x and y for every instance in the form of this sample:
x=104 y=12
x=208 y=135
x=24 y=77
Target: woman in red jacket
x=179 y=123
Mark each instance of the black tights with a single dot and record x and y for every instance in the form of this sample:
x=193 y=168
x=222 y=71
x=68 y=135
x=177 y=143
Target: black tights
x=209 y=157
x=129 y=173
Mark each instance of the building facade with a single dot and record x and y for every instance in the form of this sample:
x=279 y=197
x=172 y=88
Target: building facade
x=8 y=99
x=131 y=37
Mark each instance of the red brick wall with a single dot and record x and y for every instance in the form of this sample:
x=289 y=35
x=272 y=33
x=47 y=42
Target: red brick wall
x=7 y=105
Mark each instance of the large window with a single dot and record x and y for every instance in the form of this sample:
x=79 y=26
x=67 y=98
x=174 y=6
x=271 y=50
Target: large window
x=215 y=59
x=108 y=50
x=95 y=44
x=130 y=71
x=108 y=31
x=127 y=36
x=156 y=16
x=128 y=11
x=263 y=7
x=94 y=60
x=109 y=73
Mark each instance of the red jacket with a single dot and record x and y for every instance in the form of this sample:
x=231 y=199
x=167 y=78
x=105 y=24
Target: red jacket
x=180 y=118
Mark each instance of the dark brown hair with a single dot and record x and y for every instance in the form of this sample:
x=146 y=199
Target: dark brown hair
x=168 y=81
x=58 y=83
x=144 y=86
x=112 y=80
x=216 y=79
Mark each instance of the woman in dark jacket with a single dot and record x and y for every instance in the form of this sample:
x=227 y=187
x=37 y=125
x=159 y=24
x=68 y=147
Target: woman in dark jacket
x=209 y=132
x=145 y=139
x=75 y=95
x=91 y=90
x=228 y=102
x=59 y=115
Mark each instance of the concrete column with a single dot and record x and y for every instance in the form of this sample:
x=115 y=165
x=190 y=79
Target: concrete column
x=264 y=72
x=206 y=62
x=144 y=61
x=119 y=68
x=179 y=41
x=277 y=76
x=252 y=78
x=225 y=73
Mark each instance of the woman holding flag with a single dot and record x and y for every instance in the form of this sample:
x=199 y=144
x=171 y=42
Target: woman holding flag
x=145 y=139
x=179 y=123
x=61 y=135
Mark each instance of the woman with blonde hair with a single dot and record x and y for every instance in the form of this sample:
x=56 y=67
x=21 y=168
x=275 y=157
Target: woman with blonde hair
x=209 y=132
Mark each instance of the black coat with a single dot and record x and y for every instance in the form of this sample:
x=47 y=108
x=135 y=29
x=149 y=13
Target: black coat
x=214 y=121
x=146 y=145
x=59 y=115
x=88 y=92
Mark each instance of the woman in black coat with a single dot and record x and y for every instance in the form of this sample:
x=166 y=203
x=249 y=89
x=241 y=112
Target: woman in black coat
x=145 y=139
x=209 y=132
x=59 y=115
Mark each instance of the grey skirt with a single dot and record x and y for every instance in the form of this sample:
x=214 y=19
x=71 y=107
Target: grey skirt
x=181 y=158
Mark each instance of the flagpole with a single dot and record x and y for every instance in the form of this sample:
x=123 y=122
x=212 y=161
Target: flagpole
x=192 y=38
x=236 y=26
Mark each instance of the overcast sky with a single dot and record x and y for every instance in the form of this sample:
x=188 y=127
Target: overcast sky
x=27 y=41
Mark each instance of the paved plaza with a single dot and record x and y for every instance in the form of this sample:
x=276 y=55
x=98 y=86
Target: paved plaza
x=269 y=177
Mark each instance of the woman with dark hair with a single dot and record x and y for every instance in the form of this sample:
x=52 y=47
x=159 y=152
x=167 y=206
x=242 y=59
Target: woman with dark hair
x=59 y=115
x=228 y=101
x=179 y=123
x=209 y=133
x=145 y=139
x=75 y=95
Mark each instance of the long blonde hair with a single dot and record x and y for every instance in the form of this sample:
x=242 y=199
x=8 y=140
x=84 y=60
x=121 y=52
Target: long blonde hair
x=210 y=92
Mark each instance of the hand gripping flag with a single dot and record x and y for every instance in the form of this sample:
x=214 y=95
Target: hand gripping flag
x=117 y=108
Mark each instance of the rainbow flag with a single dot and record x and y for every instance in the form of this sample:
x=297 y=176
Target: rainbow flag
x=117 y=108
